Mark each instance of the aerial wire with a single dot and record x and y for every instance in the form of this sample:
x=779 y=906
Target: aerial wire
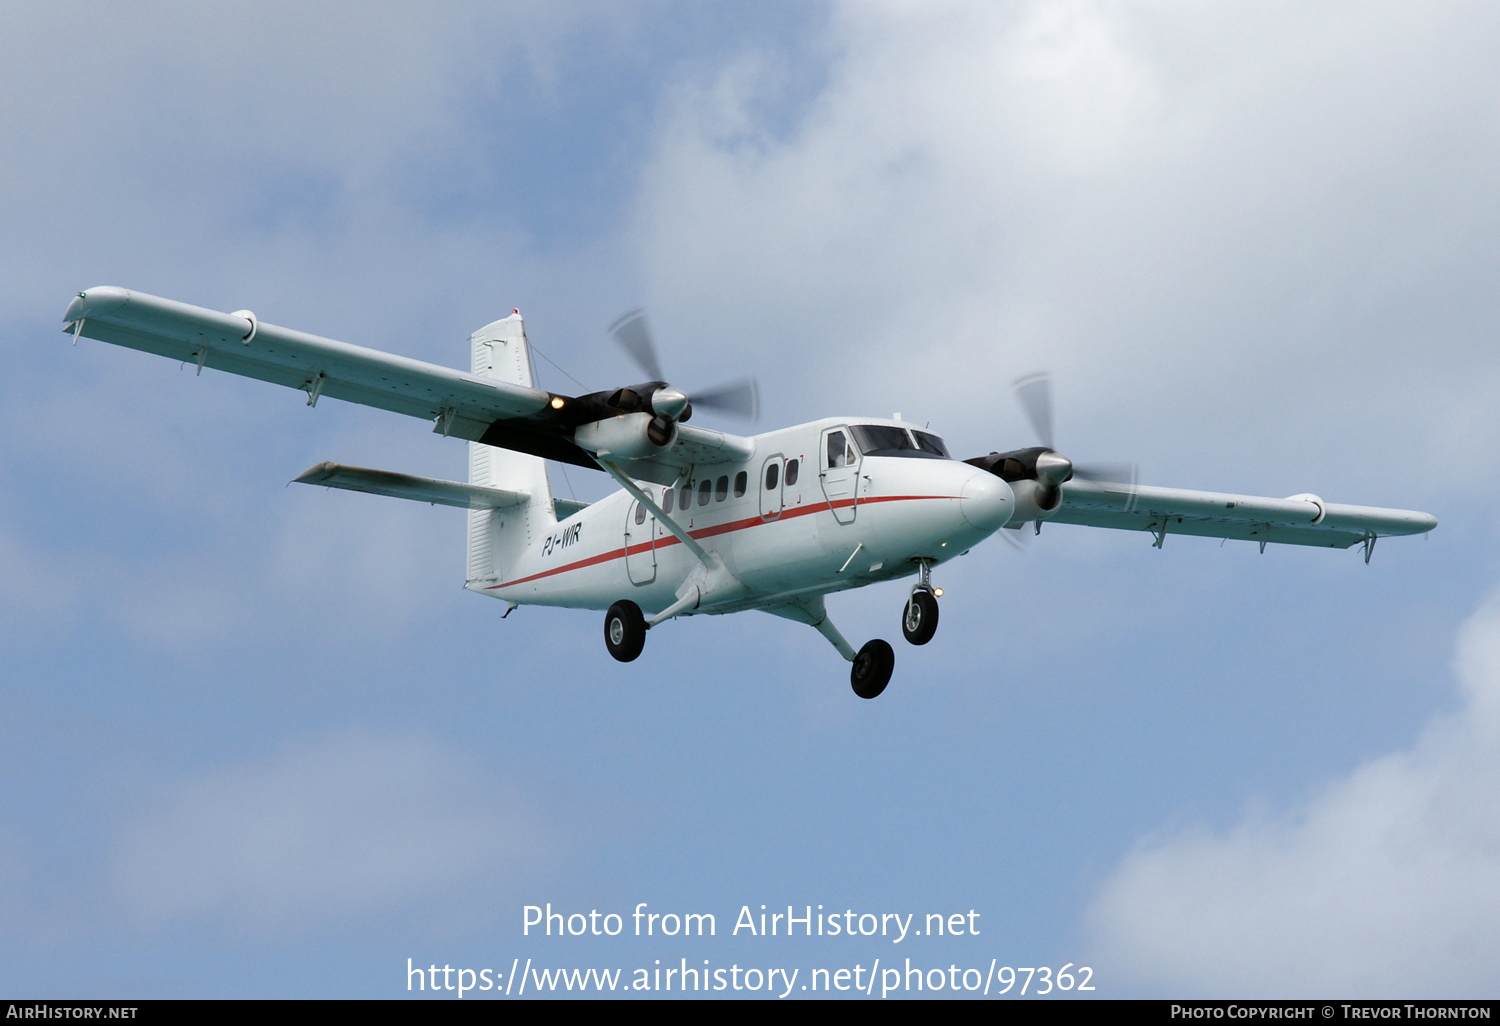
x=561 y=466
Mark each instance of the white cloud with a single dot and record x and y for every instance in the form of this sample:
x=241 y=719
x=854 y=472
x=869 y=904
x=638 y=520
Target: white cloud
x=256 y=155
x=342 y=830
x=1228 y=230
x=1254 y=244
x=1385 y=884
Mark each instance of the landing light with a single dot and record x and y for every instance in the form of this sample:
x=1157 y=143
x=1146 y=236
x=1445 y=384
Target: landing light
x=557 y=402
x=937 y=592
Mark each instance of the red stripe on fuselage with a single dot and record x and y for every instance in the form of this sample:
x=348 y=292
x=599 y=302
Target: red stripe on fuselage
x=709 y=532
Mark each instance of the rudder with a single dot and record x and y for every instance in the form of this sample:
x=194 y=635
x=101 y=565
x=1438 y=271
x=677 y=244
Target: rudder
x=498 y=537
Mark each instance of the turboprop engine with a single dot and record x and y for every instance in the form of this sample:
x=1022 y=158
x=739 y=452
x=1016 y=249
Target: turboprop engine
x=638 y=421
x=646 y=424
x=1035 y=475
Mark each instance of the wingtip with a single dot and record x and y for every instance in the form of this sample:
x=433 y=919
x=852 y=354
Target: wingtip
x=95 y=301
x=316 y=473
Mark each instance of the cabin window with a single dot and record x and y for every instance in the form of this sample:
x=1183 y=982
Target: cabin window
x=721 y=488
x=686 y=499
x=705 y=487
x=666 y=500
x=791 y=472
x=740 y=481
x=773 y=475
x=640 y=513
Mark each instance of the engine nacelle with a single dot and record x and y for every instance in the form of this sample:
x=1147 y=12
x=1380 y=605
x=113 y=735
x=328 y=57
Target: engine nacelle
x=633 y=436
x=1034 y=501
x=1035 y=475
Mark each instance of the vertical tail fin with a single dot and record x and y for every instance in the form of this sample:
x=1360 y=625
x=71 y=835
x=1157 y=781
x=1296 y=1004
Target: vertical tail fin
x=498 y=537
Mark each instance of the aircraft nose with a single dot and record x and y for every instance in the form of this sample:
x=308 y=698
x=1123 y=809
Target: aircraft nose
x=986 y=501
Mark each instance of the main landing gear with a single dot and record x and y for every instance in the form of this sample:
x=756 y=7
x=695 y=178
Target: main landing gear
x=919 y=619
x=624 y=630
x=872 y=668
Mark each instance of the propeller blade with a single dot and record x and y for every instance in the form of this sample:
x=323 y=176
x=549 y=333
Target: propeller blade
x=1122 y=476
x=1108 y=473
x=741 y=398
x=630 y=330
x=1034 y=393
x=1016 y=539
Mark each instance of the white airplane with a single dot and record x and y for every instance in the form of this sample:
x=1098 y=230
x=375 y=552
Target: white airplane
x=705 y=522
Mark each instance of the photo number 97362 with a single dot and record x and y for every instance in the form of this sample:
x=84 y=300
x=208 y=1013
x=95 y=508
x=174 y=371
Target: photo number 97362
x=1040 y=979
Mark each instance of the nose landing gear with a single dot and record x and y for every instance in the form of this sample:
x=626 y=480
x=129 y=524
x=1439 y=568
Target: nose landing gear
x=919 y=619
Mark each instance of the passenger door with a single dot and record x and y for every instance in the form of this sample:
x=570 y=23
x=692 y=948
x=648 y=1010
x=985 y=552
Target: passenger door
x=840 y=473
x=640 y=544
x=770 y=487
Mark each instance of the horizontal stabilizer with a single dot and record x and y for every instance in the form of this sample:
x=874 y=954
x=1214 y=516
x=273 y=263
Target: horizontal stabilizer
x=567 y=507
x=405 y=486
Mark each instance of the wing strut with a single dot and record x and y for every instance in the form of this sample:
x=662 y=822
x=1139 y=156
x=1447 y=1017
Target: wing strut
x=811 y=611
x=710 y=580
x=661 y=516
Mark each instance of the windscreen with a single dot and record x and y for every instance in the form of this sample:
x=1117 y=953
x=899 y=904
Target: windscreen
x=929 y=442
x=884 y=440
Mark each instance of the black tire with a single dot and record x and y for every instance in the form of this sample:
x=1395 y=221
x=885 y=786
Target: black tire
x=872 y=669
x=919 y=618
x=624 y=630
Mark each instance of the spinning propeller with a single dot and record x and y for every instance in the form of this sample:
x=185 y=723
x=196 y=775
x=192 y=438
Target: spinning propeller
x=1034 y=393
x=1043 y=464
x=598 y=418
x=740 y=397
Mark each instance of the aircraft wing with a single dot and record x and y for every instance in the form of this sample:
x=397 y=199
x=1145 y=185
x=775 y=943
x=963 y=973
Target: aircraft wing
x=459 y=404
x=1299 y=520
x=319 y=366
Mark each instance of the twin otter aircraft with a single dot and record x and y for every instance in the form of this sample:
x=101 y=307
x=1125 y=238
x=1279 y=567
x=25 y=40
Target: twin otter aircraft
x=705 y=522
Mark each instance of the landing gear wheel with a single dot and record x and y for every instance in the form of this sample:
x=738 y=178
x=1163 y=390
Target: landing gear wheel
x=624 y=630
x=920 y=618
x=872 y=669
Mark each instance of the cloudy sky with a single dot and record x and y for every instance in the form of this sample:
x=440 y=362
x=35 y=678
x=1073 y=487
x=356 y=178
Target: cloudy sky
x=256 y=740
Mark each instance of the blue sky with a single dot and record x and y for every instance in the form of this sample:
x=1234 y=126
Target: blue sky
x=258 y=741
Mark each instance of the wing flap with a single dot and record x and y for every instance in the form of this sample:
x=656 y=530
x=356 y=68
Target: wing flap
x=1292 y=521
x=407 y=486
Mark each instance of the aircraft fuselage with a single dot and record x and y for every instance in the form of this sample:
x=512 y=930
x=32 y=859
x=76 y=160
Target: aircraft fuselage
x=786 y=523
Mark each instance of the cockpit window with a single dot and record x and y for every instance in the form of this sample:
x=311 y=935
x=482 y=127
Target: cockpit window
x=929 y=442
x=885 y=440
x=840 y=452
